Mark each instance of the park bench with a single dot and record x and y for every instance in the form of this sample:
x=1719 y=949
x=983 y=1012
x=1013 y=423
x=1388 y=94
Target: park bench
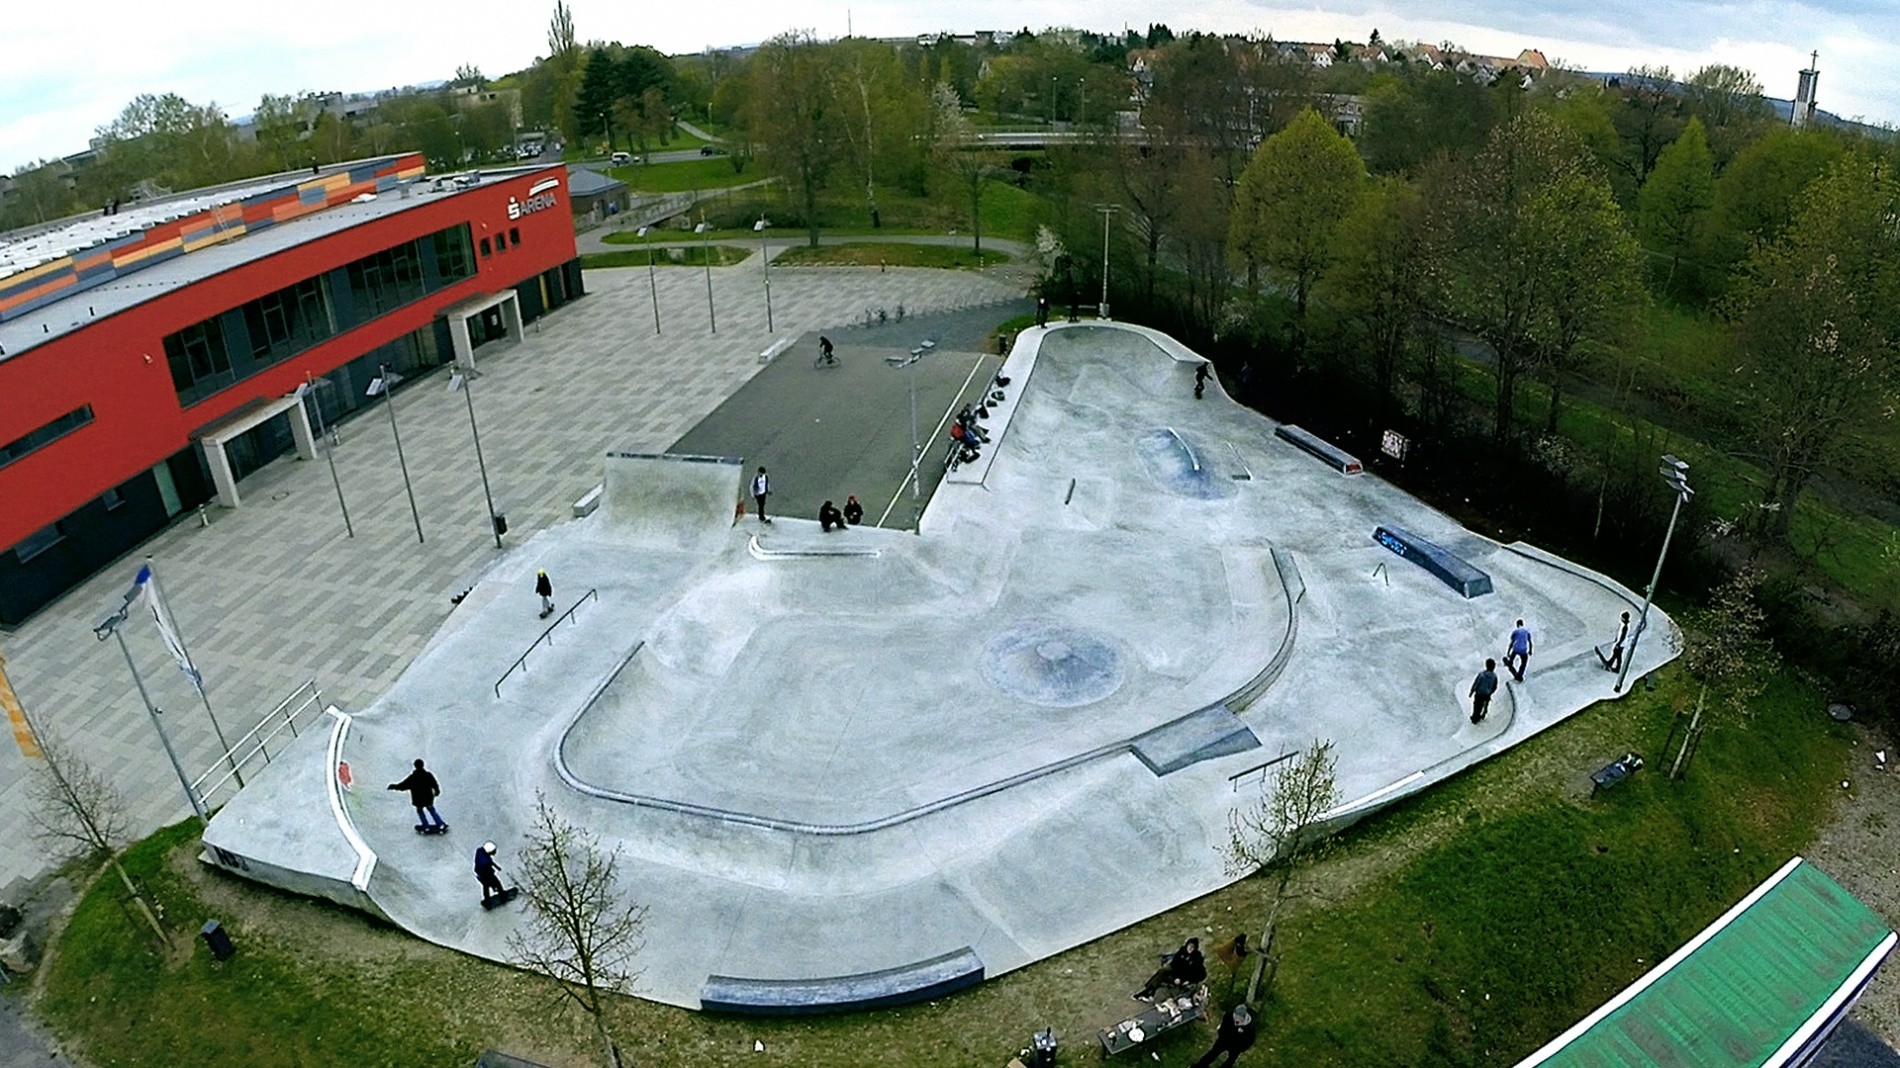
x=1614 y=772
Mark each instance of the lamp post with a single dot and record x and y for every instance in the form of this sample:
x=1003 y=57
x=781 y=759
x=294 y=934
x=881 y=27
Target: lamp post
x=384 y=383
x=1108 y=212
x=110 y=626
x=463 y=378
x=1676 y=473
x=916 y=447
x=765 y=262
x=307 y=391
x=705 y=246
x=652 y=286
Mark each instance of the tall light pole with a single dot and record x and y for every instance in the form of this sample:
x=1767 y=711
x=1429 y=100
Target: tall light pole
x=464 y=379
x=1108 y=212
x=705 y=246
x=384 y=384
x=652 y=286
x=307 y=391
x=1676 y=473
x=765 y=262
x=111 y=626
x=916 y=446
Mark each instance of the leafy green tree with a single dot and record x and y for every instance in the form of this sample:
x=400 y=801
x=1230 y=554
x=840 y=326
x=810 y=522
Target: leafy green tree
x=1489 y=215
x=1301 y=183
x=1650 y=118
x=1377 y=278
x=599 y=92
x=1818 y=316
x=1593 y=283
x=795 y=117
x=1673 y=206
x=1730 y=104
x=1758 y=194
x=1413 y=116
x=37 y=193
x=565 y=64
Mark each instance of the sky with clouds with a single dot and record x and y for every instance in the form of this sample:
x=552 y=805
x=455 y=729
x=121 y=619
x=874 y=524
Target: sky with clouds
x=72 y=67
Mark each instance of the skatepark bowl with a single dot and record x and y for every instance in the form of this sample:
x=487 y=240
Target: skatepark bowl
x=850 y=770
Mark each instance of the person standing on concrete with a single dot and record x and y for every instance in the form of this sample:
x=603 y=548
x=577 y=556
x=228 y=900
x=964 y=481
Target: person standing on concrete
x=1614 y=662
x=1042 y=311
x=487 y=874
x=1200 y=379
x=545 y=589
x=423 y=790
x=1482 y=688
x=853 y=511
x=761 y=489
x=1235 y=1038
x=1520 y=651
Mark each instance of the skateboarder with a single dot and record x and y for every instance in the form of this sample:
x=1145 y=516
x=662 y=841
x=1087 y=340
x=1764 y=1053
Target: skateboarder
x=761 y=489
x=1200 y=380
x=1235 y=1038
x=487 y=874
x=829 y=517
x=1042 y=311
x=1482 y=688
x=423 y=790
x=1614 y=662
x=824 y=351
x=546 y=589
x=1520 y=651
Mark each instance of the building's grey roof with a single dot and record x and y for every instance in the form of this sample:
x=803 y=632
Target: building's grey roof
x=582 y=182
x=82 y=308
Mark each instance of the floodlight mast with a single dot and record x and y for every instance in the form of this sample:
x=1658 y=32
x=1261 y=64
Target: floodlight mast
x=1675 y=473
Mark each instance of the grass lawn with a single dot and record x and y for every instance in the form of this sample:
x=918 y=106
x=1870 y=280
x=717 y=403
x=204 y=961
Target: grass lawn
x=873 y=254
x=709 y=172
x=692 y=256
x=1465 y=927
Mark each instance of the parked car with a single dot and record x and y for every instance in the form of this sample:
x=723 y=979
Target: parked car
x=708 y=150
x=620 y=158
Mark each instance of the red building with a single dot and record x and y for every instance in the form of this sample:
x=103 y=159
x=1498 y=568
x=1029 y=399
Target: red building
x=151 y=357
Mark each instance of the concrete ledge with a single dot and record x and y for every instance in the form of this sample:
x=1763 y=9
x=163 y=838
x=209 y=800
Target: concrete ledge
x=775 y=348
x=1452 y=570
x=1017 y=368
x=902 y=985
x=1204 y=735
x=760 y=552
x=589 y=502
x=1306 y=441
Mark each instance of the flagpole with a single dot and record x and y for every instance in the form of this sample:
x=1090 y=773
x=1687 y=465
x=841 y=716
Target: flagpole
x=197 y=677
x=114 y=624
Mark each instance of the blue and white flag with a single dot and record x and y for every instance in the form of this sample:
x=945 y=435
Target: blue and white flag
x=145 y=593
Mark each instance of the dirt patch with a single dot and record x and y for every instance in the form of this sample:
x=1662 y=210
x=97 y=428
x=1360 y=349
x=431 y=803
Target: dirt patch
x=1858 y=848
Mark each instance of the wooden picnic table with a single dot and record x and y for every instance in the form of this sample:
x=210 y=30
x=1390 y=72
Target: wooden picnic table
x=1176 y=1009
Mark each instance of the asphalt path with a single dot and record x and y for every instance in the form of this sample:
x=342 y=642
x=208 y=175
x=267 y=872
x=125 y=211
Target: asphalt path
x=826 y=433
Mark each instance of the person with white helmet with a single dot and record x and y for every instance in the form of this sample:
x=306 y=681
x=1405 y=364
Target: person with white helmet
x=486 y=873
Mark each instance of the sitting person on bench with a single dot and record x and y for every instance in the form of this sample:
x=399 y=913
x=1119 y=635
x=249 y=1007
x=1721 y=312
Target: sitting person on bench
x=1185 y=969
x=829 y=516
x=965 y=439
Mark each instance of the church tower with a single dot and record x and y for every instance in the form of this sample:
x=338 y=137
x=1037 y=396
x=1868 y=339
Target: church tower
x=1803 y=112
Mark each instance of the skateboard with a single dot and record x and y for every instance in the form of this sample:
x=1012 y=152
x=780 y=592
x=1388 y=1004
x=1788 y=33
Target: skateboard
x=501 y=899
x=432 y=828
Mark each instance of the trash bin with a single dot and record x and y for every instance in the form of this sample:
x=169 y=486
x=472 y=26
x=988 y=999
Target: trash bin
x=1044 y=1049
x=501 y=524
x=219 y=941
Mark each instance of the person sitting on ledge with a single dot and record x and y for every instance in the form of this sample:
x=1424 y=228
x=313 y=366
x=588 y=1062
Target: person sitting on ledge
x=853 y=511
x=829 y=516
x=1185 y=969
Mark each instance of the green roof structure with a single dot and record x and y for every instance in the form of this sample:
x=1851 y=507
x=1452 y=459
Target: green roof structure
x=1762 y=986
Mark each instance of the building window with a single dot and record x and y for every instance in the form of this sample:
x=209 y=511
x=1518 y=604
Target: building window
x=45 y=435
x=453 y=261
x=484 y=248
x=288 y=321
x=386 y=281
x=112 y=498
x=38 y=542
x=514 y=236
x=197 y=358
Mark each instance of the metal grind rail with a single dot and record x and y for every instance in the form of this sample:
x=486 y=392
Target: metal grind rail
x=546 y=636
x=257 y=741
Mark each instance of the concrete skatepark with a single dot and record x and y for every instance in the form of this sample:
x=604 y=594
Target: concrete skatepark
x=858 y=768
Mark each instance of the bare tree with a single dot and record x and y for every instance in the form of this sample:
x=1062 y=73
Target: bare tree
x=1727 y=654
x=79 y=814
x=581 y=932
x=1282 y=831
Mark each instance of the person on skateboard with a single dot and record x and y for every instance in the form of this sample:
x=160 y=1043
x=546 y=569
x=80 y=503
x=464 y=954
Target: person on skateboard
x=423 y=790
x=488 y=875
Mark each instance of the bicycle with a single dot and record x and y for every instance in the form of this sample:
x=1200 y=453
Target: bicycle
x=825 y=359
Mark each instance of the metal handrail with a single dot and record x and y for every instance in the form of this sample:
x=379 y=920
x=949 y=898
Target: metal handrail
x=278 y=720
x=522 y=660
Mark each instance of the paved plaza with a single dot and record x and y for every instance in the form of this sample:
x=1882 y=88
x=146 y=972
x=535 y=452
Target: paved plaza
x=877 y=763
x=273 y=594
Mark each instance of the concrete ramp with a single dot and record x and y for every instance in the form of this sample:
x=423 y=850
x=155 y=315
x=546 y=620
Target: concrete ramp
x=682 y=503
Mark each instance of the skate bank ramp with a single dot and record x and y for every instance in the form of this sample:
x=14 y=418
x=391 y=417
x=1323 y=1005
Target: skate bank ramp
x=683 y=503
